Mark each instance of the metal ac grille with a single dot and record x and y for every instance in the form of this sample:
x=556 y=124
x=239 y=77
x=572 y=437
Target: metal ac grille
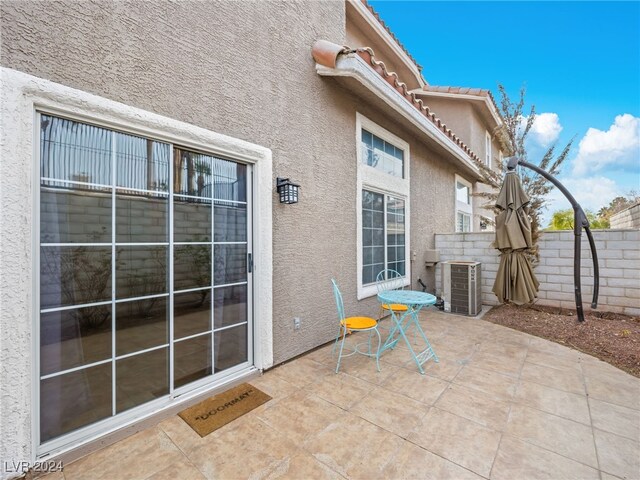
x=465 y=294
x=460 y=289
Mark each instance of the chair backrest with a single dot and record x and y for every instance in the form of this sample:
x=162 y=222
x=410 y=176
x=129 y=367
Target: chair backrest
x=389 y=280
x=338 y=296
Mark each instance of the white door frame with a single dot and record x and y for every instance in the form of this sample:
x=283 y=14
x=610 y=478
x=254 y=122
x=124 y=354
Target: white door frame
x=22 y=96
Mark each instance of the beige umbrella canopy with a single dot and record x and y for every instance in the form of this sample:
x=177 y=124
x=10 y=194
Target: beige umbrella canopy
x=515 y=280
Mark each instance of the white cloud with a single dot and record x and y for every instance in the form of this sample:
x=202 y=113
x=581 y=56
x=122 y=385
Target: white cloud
x=618 y=147
x=545 y=130
x=592 y=193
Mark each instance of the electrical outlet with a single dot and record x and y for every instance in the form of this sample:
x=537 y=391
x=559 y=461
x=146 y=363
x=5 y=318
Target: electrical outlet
x=296 y=323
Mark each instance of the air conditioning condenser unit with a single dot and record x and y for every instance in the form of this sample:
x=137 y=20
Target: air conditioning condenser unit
x=461 y=287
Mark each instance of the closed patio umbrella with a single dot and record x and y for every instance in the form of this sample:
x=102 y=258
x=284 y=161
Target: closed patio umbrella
x=515 y=280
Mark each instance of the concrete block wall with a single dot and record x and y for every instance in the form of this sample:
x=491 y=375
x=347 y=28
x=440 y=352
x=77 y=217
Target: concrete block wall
x=627 y=219
x=619 y=262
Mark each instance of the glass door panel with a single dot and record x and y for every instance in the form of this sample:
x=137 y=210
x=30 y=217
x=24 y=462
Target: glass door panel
x=143 y=282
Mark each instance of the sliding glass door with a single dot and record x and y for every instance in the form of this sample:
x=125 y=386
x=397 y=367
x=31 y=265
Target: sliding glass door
x=144 y=286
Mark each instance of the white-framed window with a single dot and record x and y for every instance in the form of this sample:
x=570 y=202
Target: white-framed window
x=381 y=154
x=382 y=204
x=464 y=207
x=487 y=149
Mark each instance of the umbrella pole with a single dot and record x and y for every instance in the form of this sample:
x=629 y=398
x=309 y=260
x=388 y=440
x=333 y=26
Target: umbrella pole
x=577 y=239
x=596 y=270
x=579 y=222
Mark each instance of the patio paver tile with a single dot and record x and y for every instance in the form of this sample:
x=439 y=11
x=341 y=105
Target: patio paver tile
x=501 y=386
x=457 y=439
x=606 y=476
x=517 y=459
x=474 y=405
x=498 y=362
x=618 y=455
x=302 y=466
x=324 y=355
x=364 y=368
x=299 y=415
x=566 y=380
x=564 y=404
x=274 y=386
x=250 y=449
x=515 y=352
x=551 y=360
x=455 y=351
x=301 y=371
x=354 y=447
x=177 y=470
x=611 y=418
x=621 y=390
x=571 y=439
x=544 y=345
x=139 y=456
x=508 y=336
x=413 y=462
x=444 y=369
x=391 y=411
x=410 y=383
x=341 y=389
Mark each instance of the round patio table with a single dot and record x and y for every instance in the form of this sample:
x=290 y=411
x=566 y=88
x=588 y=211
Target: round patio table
x=414 y=301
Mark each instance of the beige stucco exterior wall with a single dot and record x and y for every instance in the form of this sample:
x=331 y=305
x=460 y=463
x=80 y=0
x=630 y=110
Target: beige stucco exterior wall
x=356 y=37
x=468 y=124
x=238 y=68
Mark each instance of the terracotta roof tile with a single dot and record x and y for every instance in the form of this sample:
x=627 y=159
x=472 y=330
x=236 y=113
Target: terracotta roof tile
x=479 y=92
x=378 y=66
x=393 y=35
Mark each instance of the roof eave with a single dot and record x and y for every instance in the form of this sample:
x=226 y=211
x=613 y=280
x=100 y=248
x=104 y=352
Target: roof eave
x=353 y=66
x=499 y=129
x=391 y=42
x=495 y=115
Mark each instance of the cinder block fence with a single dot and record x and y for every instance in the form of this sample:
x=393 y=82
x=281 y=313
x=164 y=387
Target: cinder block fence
x=619 y=261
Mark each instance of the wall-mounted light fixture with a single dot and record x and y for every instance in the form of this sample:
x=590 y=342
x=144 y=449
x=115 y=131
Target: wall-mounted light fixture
x=287 y=190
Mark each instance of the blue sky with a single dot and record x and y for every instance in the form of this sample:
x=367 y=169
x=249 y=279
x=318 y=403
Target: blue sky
x=580 y=64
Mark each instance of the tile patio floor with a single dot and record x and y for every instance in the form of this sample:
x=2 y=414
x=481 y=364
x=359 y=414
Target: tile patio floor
x=500 y=404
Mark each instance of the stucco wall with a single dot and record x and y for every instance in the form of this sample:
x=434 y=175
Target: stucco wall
x=619 y=262
x=360 y=34
x=249 y=73
x=457 y=116
x=467 y=123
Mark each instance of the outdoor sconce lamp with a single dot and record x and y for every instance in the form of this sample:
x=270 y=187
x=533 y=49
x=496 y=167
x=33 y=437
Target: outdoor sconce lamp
x=287 y=190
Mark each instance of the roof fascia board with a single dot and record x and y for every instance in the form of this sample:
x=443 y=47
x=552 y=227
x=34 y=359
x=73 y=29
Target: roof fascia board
x=462 y=96
x=368 y=17
x=353 y=66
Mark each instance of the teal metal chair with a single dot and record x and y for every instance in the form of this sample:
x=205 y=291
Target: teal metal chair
x=390 y=280
x=354 y=324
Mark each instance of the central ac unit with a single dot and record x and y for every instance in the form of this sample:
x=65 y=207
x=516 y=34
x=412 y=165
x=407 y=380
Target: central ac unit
x=461 y=287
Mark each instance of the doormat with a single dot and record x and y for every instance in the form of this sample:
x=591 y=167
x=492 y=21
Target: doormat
x=215 y=412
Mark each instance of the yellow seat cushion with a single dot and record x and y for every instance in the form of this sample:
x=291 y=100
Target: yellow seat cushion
x=396 y=307
x=359 y=323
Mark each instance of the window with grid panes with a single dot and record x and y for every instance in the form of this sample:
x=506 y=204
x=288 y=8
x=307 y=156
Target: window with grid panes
x=382 y=155
x=383 y=235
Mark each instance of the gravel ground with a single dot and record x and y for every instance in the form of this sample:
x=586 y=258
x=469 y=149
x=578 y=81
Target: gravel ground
x=611 y=337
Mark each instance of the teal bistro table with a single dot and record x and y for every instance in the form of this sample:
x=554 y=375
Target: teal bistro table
x=403 y=320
